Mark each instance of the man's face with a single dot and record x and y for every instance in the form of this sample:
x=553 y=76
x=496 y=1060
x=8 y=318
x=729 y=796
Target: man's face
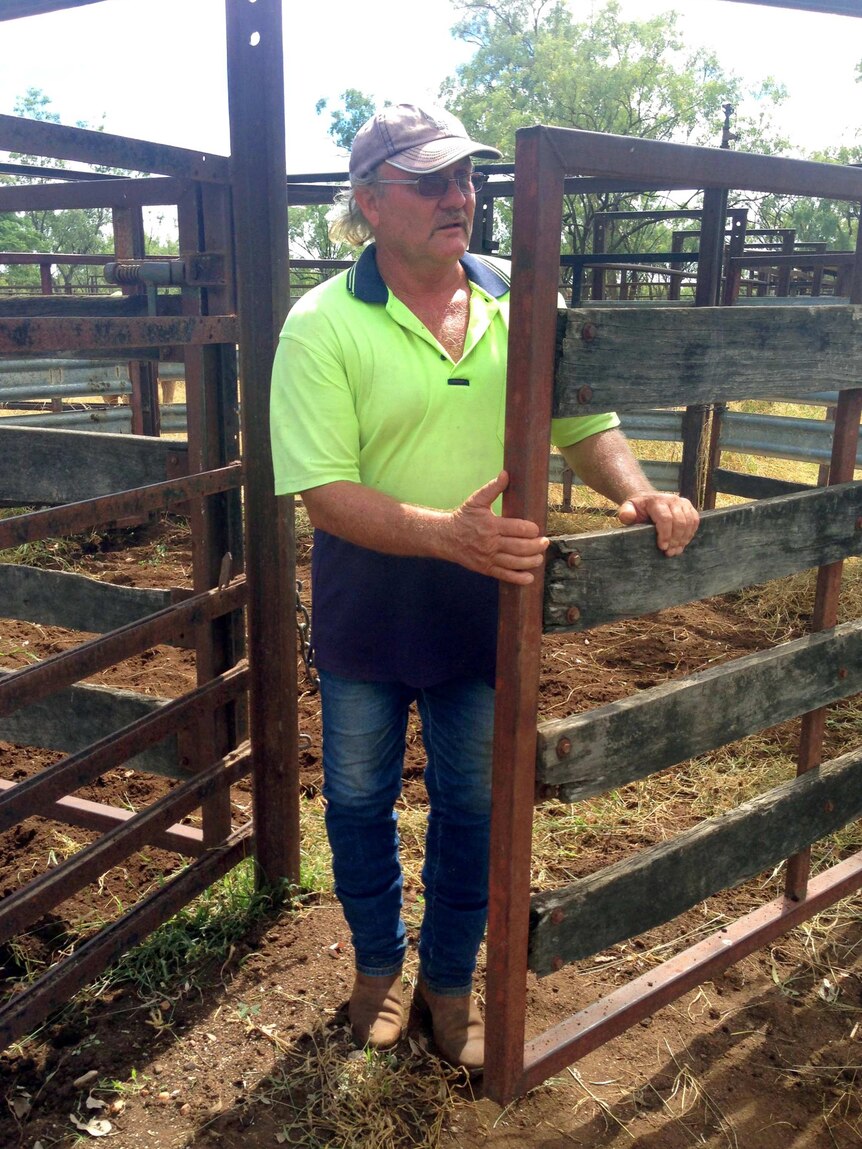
x=417 y=230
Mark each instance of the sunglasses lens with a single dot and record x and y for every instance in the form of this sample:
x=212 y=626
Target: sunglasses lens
x=432 y=186
x=435 y=187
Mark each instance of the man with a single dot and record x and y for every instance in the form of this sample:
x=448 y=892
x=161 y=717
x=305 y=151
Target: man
x=388 y=413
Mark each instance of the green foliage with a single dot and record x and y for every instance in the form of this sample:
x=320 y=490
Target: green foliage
x=80 y=231
x=348 y=117
x=832 y=221
x=535 y=63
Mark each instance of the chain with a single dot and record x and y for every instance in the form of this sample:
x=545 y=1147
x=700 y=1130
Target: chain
x=303 y=628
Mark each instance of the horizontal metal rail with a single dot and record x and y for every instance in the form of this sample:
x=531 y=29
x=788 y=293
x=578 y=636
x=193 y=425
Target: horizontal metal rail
x=38 y=334
x=112 y=420
x=614 y=1013
x=779 y=436
x=96 y=816
x=32 y=795
x=54 y=989
x=28 y=903
x=32 y=683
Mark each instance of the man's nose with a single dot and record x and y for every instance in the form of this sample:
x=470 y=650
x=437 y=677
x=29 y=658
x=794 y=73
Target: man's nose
x=453 y=196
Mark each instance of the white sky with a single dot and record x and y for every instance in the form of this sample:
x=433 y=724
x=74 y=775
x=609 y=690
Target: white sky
x=172 y=90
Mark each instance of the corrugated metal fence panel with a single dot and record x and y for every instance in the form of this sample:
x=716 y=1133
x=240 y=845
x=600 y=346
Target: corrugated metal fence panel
x=779 y=437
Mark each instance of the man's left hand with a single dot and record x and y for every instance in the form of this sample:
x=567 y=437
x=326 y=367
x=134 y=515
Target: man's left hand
x=676 y=520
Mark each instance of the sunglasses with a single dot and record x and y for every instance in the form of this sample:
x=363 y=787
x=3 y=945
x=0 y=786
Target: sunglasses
x=435 y=186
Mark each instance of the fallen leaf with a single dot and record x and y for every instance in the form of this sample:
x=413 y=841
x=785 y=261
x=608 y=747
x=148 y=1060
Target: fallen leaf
x=20 y=1105
x=94 y=1103
x=96 y=1126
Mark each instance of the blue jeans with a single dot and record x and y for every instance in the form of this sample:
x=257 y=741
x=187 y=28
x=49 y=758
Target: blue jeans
x=364 y=729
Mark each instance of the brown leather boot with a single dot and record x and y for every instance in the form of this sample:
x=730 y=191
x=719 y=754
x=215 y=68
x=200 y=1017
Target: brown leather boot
x=375 y=1010
x=457 y=1025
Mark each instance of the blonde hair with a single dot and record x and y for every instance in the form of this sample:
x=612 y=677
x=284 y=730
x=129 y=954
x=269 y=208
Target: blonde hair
x=346 y=222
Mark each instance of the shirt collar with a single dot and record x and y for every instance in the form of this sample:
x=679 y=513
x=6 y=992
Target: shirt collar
x=365 y=282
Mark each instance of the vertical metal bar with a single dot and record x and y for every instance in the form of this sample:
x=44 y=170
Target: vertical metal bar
x=256 y=103
x=212 y=735
x=788 y=243
x=538 y=214
x=844 y=446
x=735 y=247
x=129 y=244
x=707 y=294
x=598 y=273
x=675 y=284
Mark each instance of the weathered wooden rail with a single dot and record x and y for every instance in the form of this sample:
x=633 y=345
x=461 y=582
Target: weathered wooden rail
x=628 y=358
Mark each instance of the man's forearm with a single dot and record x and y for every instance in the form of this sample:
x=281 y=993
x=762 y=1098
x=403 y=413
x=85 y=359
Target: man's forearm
x=470 y=535
x=375 y=520
x=606 y=464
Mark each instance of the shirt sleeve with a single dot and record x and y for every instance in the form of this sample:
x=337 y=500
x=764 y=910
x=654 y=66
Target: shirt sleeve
x=566 y=432
x=313 y=425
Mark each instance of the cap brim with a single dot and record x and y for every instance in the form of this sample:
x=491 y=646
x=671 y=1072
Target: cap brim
x=439 y=154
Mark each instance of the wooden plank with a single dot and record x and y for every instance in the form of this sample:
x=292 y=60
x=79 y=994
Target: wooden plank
x=663 y=881
x=634 y=737
x=607 y=575
x=77 y=716
x=47 y=467
x=623 y=358
x=754 y=486
x=58 y=598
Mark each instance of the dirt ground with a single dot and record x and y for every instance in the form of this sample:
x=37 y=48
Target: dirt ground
x=253 y=1050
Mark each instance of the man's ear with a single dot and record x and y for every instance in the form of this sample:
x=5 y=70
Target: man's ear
x=366 y=196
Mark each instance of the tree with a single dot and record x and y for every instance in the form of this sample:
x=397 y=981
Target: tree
x=345 y=120
x=81 y=231
x=535 y=63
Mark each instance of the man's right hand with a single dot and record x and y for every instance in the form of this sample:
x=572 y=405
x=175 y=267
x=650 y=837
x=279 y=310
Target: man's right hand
x=506 y=549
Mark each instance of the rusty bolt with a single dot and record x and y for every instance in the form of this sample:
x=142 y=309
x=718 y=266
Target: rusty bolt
x=558 y=963
x=585 y=394
x=557 y=916
x=564 y=748
x=574 y=559
x=588 y=332
x=573 y=614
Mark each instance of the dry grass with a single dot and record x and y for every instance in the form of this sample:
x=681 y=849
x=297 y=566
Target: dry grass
x=327 y=1093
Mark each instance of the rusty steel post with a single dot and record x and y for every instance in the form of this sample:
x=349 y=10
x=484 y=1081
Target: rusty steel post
x=844 y=445
x=256 y=103
x=536 y=254
x=129 y=244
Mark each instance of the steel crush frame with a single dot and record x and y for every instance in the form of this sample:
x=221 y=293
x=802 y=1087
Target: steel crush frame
x=544 y=156
x=233 y=208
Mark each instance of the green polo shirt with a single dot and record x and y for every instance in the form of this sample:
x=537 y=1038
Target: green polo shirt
x=363 y=392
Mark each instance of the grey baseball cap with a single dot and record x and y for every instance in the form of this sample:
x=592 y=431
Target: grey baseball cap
x=417 y=140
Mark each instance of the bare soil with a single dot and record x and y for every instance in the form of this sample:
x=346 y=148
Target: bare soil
x=766 y=1056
